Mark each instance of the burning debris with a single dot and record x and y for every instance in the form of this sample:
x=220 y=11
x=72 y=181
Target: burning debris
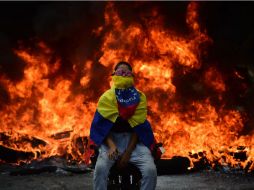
x=49 y=110
x=57 y=165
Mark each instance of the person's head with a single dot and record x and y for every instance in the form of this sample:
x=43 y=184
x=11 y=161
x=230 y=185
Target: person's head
x=123 y=69
x=122 y=75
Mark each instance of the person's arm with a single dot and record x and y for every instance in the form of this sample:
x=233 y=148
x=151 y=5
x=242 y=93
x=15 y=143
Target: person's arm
x=132 y=143
x=127 y=154
x=113 y=152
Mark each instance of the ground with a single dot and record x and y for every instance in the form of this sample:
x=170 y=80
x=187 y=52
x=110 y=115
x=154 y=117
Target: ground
x=61 y=180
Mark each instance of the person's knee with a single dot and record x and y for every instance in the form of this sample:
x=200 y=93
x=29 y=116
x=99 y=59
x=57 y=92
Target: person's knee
x=100 y=169
x=150 y=171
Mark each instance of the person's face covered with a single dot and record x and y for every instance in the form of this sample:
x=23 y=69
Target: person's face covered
x=123 y=70
x=123 y=77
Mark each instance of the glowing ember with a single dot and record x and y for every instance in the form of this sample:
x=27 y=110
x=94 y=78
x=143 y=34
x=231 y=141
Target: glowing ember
x=50 y=110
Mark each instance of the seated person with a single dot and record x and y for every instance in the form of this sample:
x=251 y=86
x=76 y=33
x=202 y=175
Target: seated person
x=121 y=130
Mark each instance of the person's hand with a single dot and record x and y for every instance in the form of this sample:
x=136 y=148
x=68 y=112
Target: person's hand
x=113 y=153
x=124 y=159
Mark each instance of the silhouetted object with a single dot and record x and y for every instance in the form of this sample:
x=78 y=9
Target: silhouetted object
x=128 y=178
x=176 y=165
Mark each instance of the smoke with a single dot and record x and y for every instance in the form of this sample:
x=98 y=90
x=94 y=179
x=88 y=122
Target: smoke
x=66 y=28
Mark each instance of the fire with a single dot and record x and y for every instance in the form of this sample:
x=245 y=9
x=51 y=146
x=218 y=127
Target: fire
x=51 y=111
x=154 y=51
x=43 y=110
x=214 y=80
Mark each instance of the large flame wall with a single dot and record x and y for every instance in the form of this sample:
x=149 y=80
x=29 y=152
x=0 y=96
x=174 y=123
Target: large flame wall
x=45 y=104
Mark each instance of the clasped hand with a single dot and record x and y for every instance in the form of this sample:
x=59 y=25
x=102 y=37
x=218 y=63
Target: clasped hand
x=122 y=160
x=113 y=153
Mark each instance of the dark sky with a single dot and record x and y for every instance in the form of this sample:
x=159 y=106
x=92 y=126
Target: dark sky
x=231 y=26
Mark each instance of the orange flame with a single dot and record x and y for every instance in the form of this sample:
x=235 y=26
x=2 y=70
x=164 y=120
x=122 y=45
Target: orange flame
x=153 y=51
x=49 y=110
x=43 y=111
